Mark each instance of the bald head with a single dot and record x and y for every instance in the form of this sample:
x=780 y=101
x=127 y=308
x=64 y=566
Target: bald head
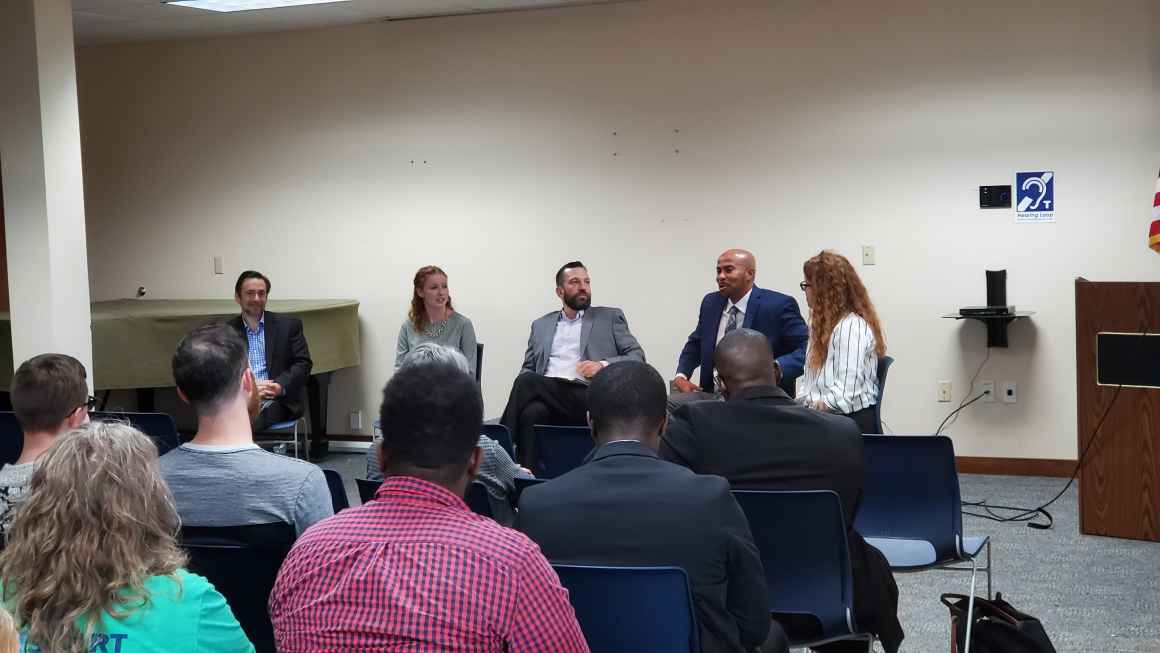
x=736 y=270
x=744 y=359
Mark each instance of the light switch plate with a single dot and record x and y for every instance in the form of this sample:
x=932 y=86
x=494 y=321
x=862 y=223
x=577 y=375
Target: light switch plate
x=868 y=255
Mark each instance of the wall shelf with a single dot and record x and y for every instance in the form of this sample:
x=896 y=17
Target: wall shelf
x=996 y=324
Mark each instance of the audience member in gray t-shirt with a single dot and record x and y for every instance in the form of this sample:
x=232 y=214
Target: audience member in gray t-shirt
x=221 y=478
x=236 y=485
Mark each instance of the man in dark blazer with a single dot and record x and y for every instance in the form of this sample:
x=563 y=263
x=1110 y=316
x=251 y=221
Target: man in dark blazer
x=759 y=439
x=738 y=303
x=566 y=348
x=277 y=351
x=625 y=506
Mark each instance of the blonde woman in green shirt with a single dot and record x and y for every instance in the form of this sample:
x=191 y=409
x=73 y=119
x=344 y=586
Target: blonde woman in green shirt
x=92 y=563
x=431 y=319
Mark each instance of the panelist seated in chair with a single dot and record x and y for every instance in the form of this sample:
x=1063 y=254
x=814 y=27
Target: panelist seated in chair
x=277 y=351
x=759 y=439
x=433 y=320
x=627 y=507
x=566 y=348
x=739 y=303
x=841 y=371
x=221 y=478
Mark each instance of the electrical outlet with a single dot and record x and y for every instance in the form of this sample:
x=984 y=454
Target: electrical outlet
x=987 y=389
x=868 y=255
x=944 y=391
x=1008 y=392
x=356 y=420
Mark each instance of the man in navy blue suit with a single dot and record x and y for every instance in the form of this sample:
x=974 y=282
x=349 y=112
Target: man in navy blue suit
x=738 y=303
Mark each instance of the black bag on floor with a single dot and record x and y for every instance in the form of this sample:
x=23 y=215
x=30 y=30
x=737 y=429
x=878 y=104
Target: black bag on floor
x=998 y=627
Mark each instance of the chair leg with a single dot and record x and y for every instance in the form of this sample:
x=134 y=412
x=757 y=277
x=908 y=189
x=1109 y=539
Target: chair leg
x=990 y=596
x=296 y=439
x=971 y=606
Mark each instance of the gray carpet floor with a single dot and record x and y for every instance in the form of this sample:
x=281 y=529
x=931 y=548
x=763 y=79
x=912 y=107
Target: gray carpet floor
x=1091 y=593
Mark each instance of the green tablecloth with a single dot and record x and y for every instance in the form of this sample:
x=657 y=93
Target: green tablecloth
x=134 y=339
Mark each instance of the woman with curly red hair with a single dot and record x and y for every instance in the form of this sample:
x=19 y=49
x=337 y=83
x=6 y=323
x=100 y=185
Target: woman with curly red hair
x=841 y=371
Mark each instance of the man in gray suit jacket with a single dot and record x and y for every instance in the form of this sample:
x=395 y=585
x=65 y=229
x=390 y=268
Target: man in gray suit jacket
x=565 y=349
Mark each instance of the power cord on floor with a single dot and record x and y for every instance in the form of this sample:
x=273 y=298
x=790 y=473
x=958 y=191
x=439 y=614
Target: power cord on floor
x=1029 y=514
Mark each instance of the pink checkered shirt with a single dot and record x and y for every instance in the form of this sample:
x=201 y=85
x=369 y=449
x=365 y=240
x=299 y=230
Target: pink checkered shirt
x=415 y=570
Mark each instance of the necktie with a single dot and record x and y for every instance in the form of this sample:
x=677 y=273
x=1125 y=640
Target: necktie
x=732 y=323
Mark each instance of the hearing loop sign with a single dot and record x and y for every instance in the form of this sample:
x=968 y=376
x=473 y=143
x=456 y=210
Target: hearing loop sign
x=1035 y=196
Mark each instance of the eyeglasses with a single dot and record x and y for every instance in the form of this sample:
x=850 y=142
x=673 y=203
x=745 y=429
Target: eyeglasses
x=803 y=285
x=89 y=404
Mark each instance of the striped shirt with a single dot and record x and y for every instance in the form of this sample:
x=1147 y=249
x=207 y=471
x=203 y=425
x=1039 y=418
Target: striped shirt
x=848 y=379
x=256 y=348
x=415 y=570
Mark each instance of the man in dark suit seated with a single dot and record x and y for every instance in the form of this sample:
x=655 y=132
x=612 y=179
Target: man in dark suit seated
x=625 y=506
x=277 y=351
x=739 y=303
x=759 y=439
x=566 y=348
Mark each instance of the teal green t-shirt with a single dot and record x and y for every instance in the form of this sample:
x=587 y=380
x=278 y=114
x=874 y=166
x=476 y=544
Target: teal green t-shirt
x=184 y=615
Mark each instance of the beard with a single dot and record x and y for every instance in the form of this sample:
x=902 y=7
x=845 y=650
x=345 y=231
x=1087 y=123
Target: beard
x=578 y=302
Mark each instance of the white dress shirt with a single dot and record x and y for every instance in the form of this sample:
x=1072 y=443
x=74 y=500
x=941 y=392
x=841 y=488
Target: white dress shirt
x=848 y=379
x=741 y=305
x=565 y=354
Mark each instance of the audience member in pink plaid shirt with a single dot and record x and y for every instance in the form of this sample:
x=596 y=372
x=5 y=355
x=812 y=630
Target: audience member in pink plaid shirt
x=414 y=569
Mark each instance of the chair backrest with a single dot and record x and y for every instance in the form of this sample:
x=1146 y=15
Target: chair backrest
x=522 y=483
x=911 y=491
x=160 y=427
x=367 y=488
x=479 y=362
x=242 y=562
x=561 y=449
x=632 y=609
x=884 y=364
x=500 y=434
x=11 y=438
x=802 y=540
x=477 y=499
x=338 y=496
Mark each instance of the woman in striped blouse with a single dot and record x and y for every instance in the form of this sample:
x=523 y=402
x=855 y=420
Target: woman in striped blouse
x=841 y=374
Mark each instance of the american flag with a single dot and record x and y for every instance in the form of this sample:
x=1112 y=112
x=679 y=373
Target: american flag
x=1154 y=232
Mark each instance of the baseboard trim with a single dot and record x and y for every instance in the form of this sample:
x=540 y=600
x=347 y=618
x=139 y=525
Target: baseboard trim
x=1015 y=466
x=348 y=437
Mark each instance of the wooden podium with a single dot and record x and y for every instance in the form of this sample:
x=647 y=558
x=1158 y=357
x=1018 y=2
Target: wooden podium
x=1119 y=485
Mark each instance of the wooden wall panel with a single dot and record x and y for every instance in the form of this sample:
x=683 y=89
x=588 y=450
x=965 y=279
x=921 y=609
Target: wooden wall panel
x=1119 y=492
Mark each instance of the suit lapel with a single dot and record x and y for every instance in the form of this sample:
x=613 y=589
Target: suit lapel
x=547 y=326
x=585 y=331
x=709 y=344
x=751 y=307
x=271 y=340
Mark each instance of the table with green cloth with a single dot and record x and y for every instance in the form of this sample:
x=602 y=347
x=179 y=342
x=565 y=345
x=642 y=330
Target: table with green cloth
x=134 y=341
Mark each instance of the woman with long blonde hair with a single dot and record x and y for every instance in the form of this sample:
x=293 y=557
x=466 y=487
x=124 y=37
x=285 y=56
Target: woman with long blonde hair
x=841 y=371
x=432 y=319
x=92 y=560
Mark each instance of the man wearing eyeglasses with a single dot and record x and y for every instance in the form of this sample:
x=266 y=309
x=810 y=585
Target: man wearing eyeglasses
x=50 y=396
x=739 y=303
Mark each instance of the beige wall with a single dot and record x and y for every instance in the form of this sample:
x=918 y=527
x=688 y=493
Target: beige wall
x=802 y=124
